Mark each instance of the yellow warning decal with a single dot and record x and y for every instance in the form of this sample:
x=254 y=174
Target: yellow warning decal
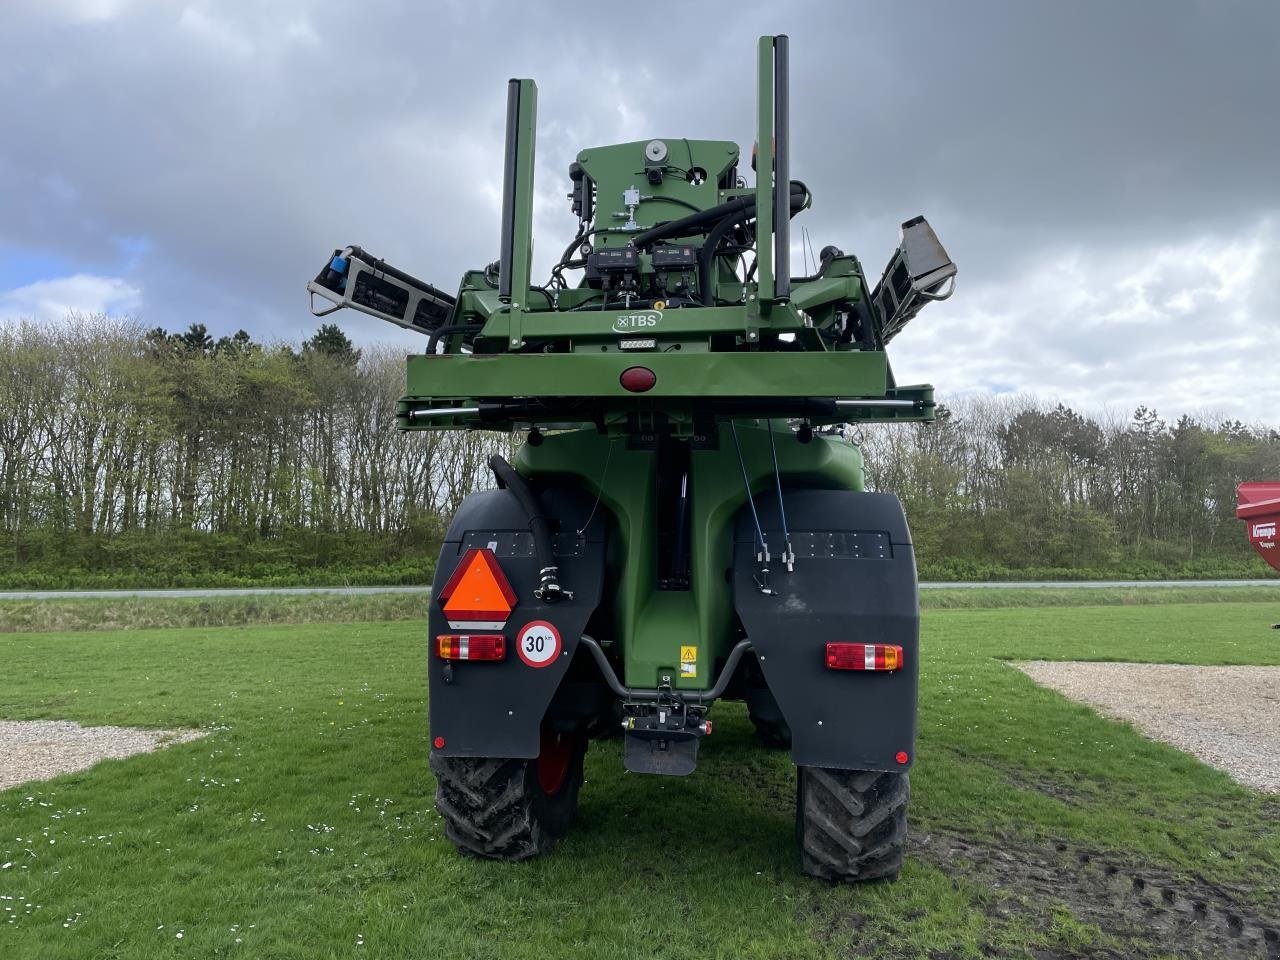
x=689 y=662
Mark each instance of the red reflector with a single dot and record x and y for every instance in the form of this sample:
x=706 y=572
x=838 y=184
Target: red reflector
x=638 y=379
x=438 y=743
x=478 y=590
x=902 y=756
x=471 y=646
x=864 y=656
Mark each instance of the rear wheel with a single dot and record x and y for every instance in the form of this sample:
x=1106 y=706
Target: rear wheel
x=851 y=824
x=510 y=809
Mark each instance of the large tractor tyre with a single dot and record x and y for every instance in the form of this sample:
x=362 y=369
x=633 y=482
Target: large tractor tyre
x=851 y=824
x=510 y=809
x=772 y=733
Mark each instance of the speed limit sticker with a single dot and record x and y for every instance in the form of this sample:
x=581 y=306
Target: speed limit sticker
x=539 y=644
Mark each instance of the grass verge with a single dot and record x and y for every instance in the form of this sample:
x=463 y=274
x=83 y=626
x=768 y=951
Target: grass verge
x=985 y=598
x=142 y=613
x=92 y=613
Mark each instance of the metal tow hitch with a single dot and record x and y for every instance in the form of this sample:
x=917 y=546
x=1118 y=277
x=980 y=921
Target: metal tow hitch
x=663 y=737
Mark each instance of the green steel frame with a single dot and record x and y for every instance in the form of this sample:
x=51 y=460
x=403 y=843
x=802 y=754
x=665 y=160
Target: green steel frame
x=763 y=339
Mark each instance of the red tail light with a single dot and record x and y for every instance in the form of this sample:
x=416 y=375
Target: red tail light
x=471 y=646
x=638 y=379
x=864 y=656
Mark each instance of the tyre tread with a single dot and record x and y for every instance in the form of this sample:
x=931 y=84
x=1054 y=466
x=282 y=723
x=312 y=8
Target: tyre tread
x=490 y=807
x=852 y=824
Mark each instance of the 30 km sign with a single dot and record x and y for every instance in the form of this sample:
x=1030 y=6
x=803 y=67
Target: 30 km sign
x=538 y=644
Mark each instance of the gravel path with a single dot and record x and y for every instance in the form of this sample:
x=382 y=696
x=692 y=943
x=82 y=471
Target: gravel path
x=1228 y=717
x=41 y=749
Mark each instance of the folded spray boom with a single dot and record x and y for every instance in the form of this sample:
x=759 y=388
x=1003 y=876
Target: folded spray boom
x=684 y=304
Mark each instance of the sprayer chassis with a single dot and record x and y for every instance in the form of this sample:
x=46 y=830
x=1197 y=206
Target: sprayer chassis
x=675 y=531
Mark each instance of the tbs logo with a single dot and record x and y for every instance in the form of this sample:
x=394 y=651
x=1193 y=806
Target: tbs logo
x=631 y=322
x=1264 y=531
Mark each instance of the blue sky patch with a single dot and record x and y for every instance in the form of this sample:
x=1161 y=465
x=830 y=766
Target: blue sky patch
x=21 y=267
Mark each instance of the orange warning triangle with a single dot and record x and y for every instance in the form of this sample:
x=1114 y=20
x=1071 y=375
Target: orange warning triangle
x=478 y=589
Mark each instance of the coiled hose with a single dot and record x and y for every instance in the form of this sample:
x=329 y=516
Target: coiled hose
x=549 y=589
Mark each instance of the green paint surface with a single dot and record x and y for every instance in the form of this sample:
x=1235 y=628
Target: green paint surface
x=650 y=624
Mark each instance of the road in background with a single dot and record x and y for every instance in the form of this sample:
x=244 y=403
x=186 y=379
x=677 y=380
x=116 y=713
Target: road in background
x=206 y=593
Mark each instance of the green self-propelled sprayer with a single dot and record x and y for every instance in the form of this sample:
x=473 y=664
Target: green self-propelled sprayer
x=674 y=531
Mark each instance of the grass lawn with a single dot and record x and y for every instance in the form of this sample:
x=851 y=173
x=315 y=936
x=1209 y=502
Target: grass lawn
x=110 y=613
x=303 y=826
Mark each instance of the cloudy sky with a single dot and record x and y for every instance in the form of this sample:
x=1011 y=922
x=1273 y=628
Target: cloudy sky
x=1106 y=174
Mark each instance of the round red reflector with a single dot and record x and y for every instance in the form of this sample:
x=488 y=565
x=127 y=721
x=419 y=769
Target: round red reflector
x=438 y=743
x=902 y=756
x=638 y=379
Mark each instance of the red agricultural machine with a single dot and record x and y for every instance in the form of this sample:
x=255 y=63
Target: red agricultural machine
x=1258 y=505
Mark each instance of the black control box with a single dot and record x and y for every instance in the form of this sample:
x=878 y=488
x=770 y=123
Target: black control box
x=675 y=256
x=613 y=260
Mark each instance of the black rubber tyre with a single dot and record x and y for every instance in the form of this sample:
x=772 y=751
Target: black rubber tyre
x=774 y=734
x=851 y=824
x=499 y=810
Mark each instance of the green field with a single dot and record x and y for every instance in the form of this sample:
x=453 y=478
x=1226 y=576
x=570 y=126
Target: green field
x=113 y=613
x=303 y=825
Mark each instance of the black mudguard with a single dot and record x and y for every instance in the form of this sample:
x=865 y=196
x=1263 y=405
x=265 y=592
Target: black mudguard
x=495 y=709
x=854 y=580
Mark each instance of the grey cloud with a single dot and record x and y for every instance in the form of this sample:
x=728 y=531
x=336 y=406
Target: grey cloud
x=242 y=140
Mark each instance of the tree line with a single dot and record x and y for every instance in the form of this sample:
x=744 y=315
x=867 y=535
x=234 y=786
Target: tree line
x=131 y=455
x=122 y=447
x=1014 y=483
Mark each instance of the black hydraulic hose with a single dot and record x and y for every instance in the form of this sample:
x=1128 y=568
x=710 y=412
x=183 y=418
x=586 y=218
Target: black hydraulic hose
x=449 y=330
x=799 y=196
x=574 y=244
x=549 y=589
x=708 y=253
x=828 y=253
x=696 y=222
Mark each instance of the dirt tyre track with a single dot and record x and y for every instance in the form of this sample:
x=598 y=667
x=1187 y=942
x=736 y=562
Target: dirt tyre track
x=851 y=824
x=1148 y=912
x=498 y=809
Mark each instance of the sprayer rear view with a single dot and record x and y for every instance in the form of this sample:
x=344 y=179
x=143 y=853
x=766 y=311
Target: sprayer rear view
x=678 y=528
